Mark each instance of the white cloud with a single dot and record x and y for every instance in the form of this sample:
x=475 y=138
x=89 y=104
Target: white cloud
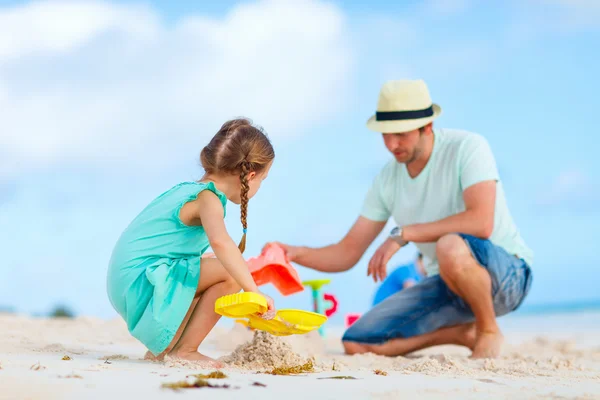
x=447 y=7
x=404 y=45
x=537 y=19
x=582 y=14
x=576 y=13
x=463 y=57
x=569 y=181
x=572 y=188
x=62 y=26
x=92 y=78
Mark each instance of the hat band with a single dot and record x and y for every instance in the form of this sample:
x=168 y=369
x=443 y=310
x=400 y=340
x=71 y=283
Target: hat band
x=401 y=115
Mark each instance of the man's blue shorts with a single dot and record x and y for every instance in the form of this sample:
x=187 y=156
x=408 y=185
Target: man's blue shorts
x=430 y=305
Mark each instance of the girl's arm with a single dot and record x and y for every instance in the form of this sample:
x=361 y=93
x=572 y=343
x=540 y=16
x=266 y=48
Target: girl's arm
x=210 y=211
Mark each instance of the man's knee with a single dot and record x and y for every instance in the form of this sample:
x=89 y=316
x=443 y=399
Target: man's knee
x=451 y=246
x=361 y=348
x=452 y=253
x=354 y=348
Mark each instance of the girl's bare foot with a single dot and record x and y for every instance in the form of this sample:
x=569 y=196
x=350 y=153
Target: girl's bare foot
x=488 y=345
x=190 y=355
x=151 y=357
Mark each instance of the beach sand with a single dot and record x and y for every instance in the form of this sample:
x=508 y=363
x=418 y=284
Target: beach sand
x=91 y=358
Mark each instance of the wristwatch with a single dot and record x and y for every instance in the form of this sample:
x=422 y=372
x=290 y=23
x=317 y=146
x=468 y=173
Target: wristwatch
x=396 y=236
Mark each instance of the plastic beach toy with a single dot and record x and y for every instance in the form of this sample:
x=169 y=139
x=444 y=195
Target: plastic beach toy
x=352 y=318
x=273 y=267
x=248 y=306
x=320 y=299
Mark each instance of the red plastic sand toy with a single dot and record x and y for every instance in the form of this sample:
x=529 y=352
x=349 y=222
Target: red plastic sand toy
x=273 y=267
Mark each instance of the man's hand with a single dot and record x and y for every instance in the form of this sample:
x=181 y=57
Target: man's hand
x=290 y=251
x=340 y=256
x=378 y=263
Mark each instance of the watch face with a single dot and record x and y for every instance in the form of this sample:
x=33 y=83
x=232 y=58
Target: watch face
x=395 y=231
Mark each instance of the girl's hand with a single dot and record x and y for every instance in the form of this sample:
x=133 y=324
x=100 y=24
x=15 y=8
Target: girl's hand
x=378 y=263
x=270 y=313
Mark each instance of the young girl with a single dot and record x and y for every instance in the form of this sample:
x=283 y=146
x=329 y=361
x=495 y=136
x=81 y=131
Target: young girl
x=157 y=279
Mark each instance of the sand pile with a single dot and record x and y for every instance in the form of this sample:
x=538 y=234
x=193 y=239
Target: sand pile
x=265 y=351
x=228 y=340
x=308 y=345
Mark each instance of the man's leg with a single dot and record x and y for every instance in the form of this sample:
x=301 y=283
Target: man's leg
x=442 y=309
x=390 y=285
x=463 y=335
x=469 y=280
x=417 y=317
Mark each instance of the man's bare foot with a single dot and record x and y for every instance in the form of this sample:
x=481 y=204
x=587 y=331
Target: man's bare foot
x=196 y=357
x=466 y=335
x=488 y=345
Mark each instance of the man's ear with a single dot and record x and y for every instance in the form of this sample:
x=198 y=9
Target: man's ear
x=430 y=127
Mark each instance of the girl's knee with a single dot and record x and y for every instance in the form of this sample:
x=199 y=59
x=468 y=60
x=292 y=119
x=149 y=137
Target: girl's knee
x=231 y=286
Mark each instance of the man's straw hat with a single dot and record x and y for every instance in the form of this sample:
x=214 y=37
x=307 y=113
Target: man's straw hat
x=403 y=106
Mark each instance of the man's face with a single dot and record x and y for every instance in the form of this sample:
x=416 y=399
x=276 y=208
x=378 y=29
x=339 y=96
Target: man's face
x=406 y=146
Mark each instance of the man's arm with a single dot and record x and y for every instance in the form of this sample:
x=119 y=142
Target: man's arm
x=476 y=220
x=343 y=255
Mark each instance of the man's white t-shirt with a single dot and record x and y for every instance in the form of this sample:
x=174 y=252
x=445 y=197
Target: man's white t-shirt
x=458 y=160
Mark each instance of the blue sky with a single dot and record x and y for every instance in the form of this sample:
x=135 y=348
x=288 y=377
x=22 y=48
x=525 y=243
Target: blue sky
x=105 y=105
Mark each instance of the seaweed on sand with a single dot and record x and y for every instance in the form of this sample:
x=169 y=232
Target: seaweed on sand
x=212 y=375
x=293 y=370
x=198 y=383
x=339 y=377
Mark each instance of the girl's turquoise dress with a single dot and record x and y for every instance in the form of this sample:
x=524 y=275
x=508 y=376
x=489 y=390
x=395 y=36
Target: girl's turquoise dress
x=155 y=267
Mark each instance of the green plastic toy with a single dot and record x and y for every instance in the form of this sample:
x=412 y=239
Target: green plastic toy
x=319 y=299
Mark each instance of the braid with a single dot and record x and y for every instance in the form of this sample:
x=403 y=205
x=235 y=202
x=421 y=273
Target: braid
x=244 y=202
x=239 y=149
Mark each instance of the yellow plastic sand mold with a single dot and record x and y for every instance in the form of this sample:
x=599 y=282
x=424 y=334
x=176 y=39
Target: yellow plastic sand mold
x=302 y=318
x=240 y=305
x=246 y=309
x=243 y=322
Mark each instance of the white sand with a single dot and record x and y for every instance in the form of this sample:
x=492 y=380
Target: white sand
x=105 y=363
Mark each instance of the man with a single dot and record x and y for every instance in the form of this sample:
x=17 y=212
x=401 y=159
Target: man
x=403 y=277
x=442 y=188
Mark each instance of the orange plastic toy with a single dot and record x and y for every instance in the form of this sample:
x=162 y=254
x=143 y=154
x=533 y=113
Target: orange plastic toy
x=273 y=267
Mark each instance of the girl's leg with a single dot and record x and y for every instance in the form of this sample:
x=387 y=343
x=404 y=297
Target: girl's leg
x=215 y=282
x=161 y=356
